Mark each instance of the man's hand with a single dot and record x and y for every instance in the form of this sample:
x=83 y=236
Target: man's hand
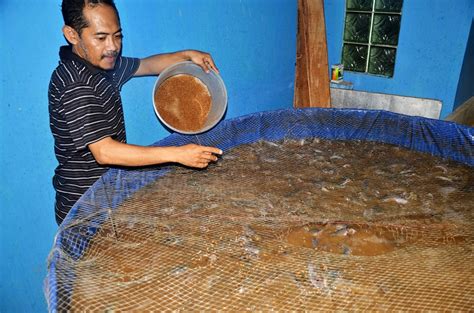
x=203 y=59
x=108 y=151
x=196 y=156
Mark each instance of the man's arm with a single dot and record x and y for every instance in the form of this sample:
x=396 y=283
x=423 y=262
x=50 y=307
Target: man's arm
x=108 y=151
x=155 y=64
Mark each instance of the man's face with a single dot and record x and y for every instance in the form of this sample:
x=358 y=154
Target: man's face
x=100 y=42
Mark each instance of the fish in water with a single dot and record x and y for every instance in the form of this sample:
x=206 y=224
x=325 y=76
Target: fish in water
x=251 y=249
x=444 y=169
x=315 y=231
x=172 y=240
x=444 y=178
x=272 y=144
x=343 y=230
x=345 y=182
x=346 y=250
x=447 y=190
x=178 y=270
x=395 y=199
x=318 y=281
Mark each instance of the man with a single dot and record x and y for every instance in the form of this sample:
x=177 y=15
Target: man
x=85 y=107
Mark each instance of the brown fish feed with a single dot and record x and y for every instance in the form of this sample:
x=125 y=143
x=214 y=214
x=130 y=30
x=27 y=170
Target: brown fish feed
x=184 y=102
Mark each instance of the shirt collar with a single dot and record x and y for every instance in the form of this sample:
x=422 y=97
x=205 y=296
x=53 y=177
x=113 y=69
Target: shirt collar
x=66 y=54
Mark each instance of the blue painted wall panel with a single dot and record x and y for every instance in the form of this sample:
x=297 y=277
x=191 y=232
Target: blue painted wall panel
x=465 y=88
x=433 y=39
x=253 y=44
x=27 y=33
x=252 y=41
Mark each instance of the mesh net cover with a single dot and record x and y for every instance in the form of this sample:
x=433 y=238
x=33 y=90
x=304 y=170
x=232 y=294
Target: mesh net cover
x=309 y=209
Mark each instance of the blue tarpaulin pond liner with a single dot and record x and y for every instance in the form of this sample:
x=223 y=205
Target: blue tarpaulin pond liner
x=446 y=140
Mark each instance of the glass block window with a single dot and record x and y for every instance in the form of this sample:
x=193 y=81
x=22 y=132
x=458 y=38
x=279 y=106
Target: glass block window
x=371 y=36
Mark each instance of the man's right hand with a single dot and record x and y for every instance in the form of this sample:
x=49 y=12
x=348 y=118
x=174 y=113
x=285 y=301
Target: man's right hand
x=196 y=156
x=108 y=151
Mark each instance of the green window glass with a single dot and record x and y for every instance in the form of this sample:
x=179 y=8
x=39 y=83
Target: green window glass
x=371 y=36
x=382 y=61
x=357 y=27
x=388 y=5
x=355 y=57
x=385 y=29
x=359 y=5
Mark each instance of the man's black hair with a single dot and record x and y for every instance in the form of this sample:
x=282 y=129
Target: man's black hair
x=73 y=12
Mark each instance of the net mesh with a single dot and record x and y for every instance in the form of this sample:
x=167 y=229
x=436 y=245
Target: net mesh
x=307 y=209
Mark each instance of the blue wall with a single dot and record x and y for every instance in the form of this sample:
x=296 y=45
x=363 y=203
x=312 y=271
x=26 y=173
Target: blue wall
x=432 y=44
x=466 y=80
x=253 y=43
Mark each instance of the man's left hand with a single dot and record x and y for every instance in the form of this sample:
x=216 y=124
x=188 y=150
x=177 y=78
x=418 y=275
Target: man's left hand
x=203 y=59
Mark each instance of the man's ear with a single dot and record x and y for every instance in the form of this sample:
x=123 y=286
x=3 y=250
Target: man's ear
x=71 y=35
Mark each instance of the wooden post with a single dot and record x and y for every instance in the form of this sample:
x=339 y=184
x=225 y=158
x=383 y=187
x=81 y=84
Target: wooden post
x=312 y=74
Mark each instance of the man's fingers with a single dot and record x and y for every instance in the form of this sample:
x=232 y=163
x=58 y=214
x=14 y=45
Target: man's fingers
x=209 y=65
x=213 y=66
x=200 y=156
x=202 y=164
x=212 y=150
x=207 y=157
x=209 y=153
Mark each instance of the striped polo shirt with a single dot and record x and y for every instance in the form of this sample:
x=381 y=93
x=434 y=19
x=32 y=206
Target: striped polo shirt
x=84 y=107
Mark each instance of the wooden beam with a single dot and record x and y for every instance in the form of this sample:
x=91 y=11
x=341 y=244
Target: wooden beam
x=312 y=74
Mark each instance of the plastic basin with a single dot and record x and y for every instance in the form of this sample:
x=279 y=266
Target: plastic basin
x=214 y=84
